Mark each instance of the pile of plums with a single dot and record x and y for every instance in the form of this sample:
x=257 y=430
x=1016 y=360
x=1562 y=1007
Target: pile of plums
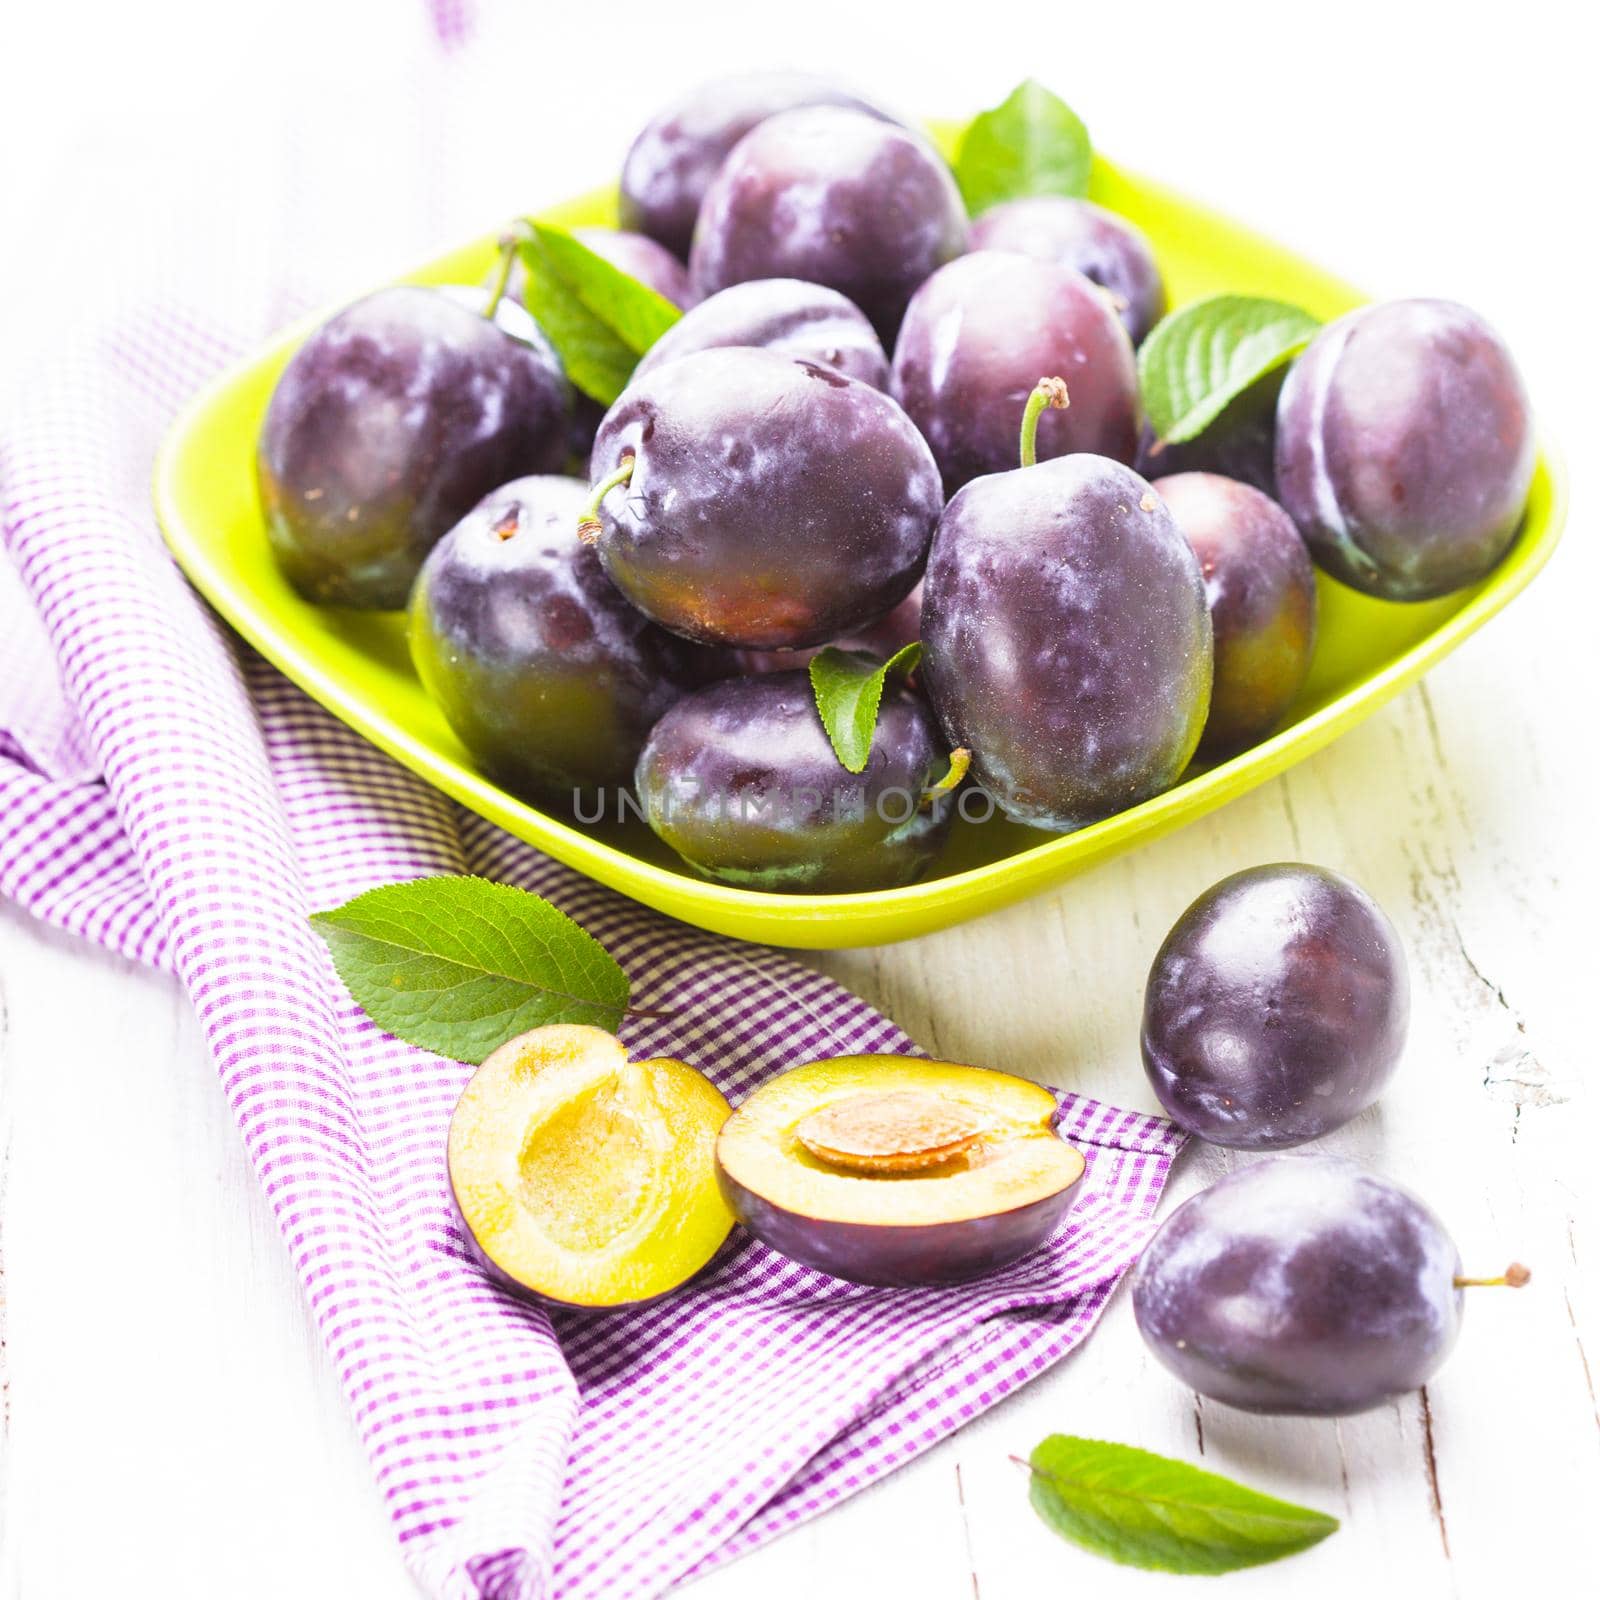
x=827 y=448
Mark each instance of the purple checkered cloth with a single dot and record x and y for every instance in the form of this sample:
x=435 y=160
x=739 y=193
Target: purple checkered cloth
x=166 y=794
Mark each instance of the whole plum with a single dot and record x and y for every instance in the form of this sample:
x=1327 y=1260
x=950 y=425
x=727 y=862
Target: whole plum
x=1066 y=640
x=547 y=675
x=835 y=197
x=740 y=779
x=797 y=319
x=389 y=424
x=1262 y=592
x=1239 y=444
x=768 y=503
x=1276 y=1008
x=975 y=341
x=1405 y=448
x=671 y=163
x=1301 y=1286
x=640 y=257
x=1105 y=248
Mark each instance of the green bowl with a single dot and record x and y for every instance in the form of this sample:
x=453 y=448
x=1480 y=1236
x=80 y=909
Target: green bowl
x=357 y=663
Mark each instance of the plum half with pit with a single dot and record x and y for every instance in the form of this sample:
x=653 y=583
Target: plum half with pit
x=803 y=320
x=547 y=675
x=897 y=1171
x=1262 y=592
x=1276 y=1008
x=677 y=153
x=978 y=336
x=389 y=424
x=1405 y=448
x=836 y=197
x=1303 y=1286
x=1066 y=641
x=739 y=778
x=752 y=500
x=582 y=1178
x=1105 y=248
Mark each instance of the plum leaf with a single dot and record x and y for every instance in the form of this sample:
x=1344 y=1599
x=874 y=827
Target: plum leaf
x=1031 y=143
x=1145 y=1510
x=599 y=319
x=848 y=685
x=1208 y=353
x=460 y=965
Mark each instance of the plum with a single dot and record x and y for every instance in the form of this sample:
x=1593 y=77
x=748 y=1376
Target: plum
x=886 y=637
x=583 y=1179
x=1105 y=248
x=1405 y=448
x=1262 y=592
x=897 y=1171
x=769 y=503
x=1066 y=642
x=1303 y=1286
x=975 y=341
x=640 y=257
x=1276 y=1008
x=836 y=197
x=740 y=779
x=798 y=319
x=547 y=675
x=671 y=163
x=1238 y=444
x=389 y=424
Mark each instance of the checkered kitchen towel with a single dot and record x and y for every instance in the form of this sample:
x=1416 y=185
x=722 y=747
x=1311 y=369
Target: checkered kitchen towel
x=165 y=793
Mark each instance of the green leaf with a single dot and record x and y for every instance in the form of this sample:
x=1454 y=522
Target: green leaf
x=460 y=965
x=1031 y=143
x=848 y=685
x=1197 y=359
x=599 y=318
x=1145 y=1510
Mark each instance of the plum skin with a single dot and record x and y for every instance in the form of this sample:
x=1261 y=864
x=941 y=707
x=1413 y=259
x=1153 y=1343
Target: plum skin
x=1301 y=1286
x=389 y=424
x=1276 y=1008
x=1105 y=248
x=674 y=157
x=773 y=503
x=545 y=673
x=1066 y=641
x=739 y=778
x=981 y=332
x=836 y=197
x=1262 y=594
x=1405 y=448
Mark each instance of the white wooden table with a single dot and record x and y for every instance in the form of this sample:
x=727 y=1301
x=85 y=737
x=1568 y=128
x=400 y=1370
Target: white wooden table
x=170 y=1425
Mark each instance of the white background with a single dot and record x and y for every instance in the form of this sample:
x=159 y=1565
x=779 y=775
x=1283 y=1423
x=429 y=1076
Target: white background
x=170 y=1424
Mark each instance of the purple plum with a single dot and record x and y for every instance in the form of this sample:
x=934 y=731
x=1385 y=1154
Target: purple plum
x=1105 y=248
x=798 y=319
x=389 y=424
x=1405 y=448
x=979 y=335
x=1301 y=1286
x=1263 y=597
x=1066 y=640
x=1238 y=444
x=671 y=163
x=547 y=675
x=1276 y=1008
x=772 y=503
x=740 y=779
x=640 y=257
x=835 y=197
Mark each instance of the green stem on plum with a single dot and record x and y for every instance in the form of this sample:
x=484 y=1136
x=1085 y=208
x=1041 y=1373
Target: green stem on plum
x=589 y=525
x=960 y=760
x=1049 y=394
x=1512 y=1278
x=509 y=243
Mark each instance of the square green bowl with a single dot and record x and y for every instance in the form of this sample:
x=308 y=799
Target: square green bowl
x=358 y=666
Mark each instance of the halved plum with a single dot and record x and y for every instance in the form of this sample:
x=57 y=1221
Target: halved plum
x=896 y=1171
x=583 y=1178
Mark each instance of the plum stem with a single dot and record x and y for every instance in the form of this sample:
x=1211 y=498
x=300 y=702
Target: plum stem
x=589 y=525
x=960 y=760
x=1512 y=1278
x=1049 y=394
x=509 y=241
